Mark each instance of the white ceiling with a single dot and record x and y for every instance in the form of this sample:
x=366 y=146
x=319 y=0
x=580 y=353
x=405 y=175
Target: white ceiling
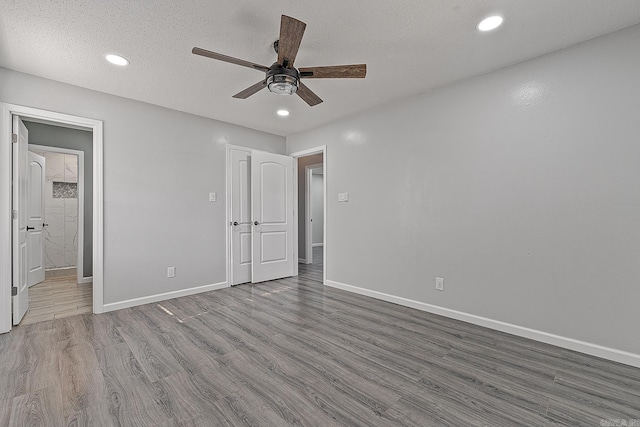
x=409 y=46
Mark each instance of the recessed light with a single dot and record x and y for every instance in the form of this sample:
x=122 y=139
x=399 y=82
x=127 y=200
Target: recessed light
x=283 y=113
x=117 y=59
x=490 y=23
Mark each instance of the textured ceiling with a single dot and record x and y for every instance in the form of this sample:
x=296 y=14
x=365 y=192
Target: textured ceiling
x=410 y=47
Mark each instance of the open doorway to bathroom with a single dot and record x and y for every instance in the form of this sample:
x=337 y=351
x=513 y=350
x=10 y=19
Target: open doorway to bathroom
x=311 y=200
x=67 y=225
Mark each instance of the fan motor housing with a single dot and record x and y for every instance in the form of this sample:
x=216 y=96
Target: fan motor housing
x=282 y=80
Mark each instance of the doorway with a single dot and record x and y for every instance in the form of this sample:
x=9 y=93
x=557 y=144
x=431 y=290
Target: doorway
x=66 y=288
x=314 y=212
x=311 y=219
x=19 y=260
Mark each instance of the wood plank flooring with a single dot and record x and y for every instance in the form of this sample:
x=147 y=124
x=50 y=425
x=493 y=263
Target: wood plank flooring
x=313 y=271
x=293 y=352
x=56 y=297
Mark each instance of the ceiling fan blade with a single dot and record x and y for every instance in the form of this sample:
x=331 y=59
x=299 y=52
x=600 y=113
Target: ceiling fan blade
x=230 y=59
x=251 y=90
x=291 y=32
x=357 y=71
x=307 y=95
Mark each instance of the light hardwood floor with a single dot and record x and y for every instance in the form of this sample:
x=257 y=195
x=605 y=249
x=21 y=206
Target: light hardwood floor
x=58 y=297
x=293 y=352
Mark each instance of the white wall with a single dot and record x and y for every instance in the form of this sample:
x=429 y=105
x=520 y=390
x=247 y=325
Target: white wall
x=159 y=167
x=520 y=187
x=317 y=208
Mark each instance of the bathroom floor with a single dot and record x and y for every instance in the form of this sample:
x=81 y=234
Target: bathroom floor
x=58 y=297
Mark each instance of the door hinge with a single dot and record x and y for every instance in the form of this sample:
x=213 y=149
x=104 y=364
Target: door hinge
x=14 y=214
x=14 y=291
x=14 y=138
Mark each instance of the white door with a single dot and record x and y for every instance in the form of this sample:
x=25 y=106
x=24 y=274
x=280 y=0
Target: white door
x=20 y=192
x=35 y=219
x=272 y=215
x=240 y=215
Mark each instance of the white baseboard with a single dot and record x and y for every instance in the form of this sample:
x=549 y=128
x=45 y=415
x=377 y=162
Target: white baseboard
x=302 y=261
x=315 y=245
x=162 y=297
x=85 y=280
x=545 y=337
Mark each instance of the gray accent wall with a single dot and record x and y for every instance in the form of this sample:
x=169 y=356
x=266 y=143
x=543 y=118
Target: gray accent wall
x=521 y=188
x=159 y=167
x=80 y=140
x=302 y=209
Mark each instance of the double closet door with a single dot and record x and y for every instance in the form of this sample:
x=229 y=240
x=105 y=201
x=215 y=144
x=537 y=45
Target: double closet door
x=261 y=221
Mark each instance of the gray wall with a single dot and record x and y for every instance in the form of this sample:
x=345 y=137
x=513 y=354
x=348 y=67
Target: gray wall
x=159 y=167
x=302 y=163
x=73 y=139
x=520 y=187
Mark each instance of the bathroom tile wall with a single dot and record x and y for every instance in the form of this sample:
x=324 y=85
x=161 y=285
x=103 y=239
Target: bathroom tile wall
x=61 y=210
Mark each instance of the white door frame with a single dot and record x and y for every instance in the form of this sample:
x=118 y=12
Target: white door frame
x=6 y=113
x=315 y=150
x=80 y=154
x=308 y=226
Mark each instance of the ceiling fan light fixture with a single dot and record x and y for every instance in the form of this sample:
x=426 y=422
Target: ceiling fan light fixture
x=282 y=80
x=282 y=77
x=282 y=84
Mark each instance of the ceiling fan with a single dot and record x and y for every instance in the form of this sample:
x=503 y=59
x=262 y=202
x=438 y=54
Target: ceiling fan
x=282 y=77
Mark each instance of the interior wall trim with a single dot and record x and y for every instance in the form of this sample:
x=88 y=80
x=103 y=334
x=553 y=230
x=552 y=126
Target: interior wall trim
x=608 y=353
x=85 y=280
x=163 y=297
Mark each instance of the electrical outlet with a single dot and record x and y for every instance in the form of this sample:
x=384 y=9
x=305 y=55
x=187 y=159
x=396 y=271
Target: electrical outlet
x=439 y=284
x=343 y=197
x=213 y=197
x=171 y=272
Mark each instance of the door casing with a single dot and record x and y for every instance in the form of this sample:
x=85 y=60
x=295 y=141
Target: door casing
x=7 y=111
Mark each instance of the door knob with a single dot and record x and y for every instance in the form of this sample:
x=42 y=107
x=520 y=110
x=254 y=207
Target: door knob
x=30 y=228
x=235 y=222
x=256 y=223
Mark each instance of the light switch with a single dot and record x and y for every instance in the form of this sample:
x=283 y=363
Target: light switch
x=343 y=197
x=213 y=197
